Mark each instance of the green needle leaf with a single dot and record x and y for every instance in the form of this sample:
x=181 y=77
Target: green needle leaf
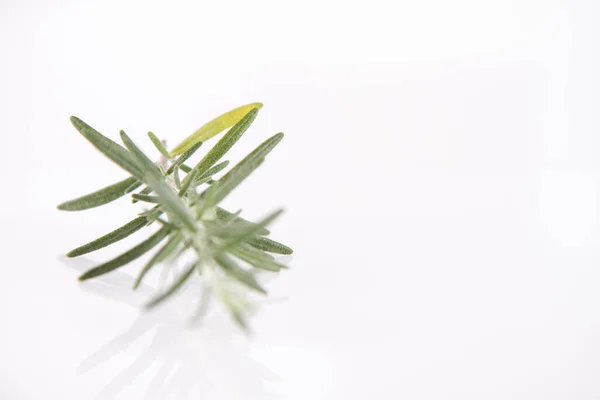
x=230 y=267
x=128 y=256
x=254 y=252
x=257 y=260
x=173 y=204
x=244 y=168
x=133 y=186
x=154 y=178
x=226 y=142
x=215 y=169
x=176 y=179
x=159 y=256
x=110 y=238
x=224 y=215
x=99 y=197
x=266 y=244
x=183 y=157
x=109 y=148
x=146 y=190
x=250 y=231
x=214 y=127
x=146 y=198
x=186 y=183
x=145 y=165
x=159 y=145
x=224 y=186
x=205 y=177
x=174 y=287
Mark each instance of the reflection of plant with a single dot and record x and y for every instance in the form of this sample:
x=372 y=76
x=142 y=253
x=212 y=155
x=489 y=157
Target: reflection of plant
x=180 y=363
x=217 y=240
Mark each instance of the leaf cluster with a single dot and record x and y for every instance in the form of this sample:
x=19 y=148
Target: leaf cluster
x=227 y=250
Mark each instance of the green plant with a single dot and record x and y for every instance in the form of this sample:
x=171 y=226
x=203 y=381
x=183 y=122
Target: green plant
x=227 y=251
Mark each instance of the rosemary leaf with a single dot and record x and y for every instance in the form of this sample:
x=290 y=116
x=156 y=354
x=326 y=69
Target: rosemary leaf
x=146 y=198
x=257 y=258
x=226 y=142
x=159 y=256
x=214 y=127
x=230 y=267
x=166 y=223
x=215 y=169
x=224 y=215
x=173 y=204
x=249 y=231
x=269 y=245
x=128 y=256
x=238 y=317
x=244 y=168
x=230 y=220
x=256 y=253
x=201 y=181
x=155 y=180
x=224 y=186
x=185 y=185
x=256 y=262
x=109 y=148
x=99 y=197
x=132 y=187
x=143 y=163
x=183 y=158
x=174 y=287
x=176 y=179
x=146 y=190
x=159 y=145
x=110 y=238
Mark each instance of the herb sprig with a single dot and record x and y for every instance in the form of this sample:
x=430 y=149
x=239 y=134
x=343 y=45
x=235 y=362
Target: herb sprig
x=227 y=250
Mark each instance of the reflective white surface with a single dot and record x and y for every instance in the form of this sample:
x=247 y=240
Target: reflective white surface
x=439 y=173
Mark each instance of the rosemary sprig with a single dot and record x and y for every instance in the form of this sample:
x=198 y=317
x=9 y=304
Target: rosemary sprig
x=226 y=249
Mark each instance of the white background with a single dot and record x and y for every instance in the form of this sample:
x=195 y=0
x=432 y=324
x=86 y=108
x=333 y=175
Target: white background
x=439 y=172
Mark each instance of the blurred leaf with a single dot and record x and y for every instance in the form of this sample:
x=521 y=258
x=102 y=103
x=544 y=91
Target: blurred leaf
x=159 y=256
x=230 y=267
x=257 y=259
x=99 y=197
x=146 y=190
x=186 y=183
x=224 y=215
x=132 y=187
x=176 y=179
x=249 y=231
x=174 y=287
x=146 y=198
x=255 y=253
